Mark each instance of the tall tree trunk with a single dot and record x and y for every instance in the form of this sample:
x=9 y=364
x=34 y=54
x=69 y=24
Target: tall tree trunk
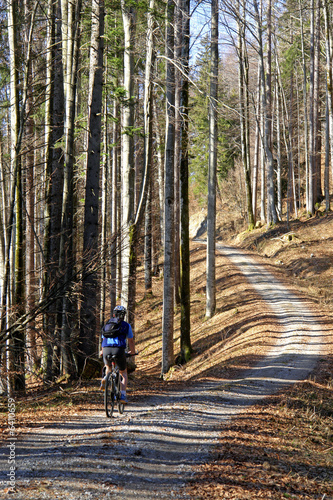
x=278 y=149
x=148 y=147
x=115 y=236
x=185 y=295
x=178 y=40
x=169 y=200
x=104 y=209
x=54 y=163
x=271 y=209
x=305 y=105
x=148 y=243
x=310 y=197
x=329 y=83
x=160 y=166
x=327 y=156
x=91 y=254
x=318 y=196
x=71 y=13
x=18 y=337
x=30 y=209
x=212 y=165
x=49 y=82
x=128 y=172
x=243 y=84
x=256 y=161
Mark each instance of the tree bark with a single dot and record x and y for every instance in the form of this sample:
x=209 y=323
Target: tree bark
x=91 y=254
x=185 y=265
x=243 y=85
x=17 y=354
x=70 y=26
x=128 y=172
x=212 y=165
x=169 y=230
x=271 y=209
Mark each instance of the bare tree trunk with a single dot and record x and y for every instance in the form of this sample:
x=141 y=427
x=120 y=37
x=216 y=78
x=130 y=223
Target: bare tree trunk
x=327 y=156
x=278 y=155
x=178 y=40
x=91 y=254
x=115 y=236
x=169 y=200
x=128 y=172
x=70 y=26
x=271 y=210
x=160 y=166
x=212 y=166
x=310 y=197
x=256 y=161
x=104 y=209
x=243 y=84
x=148 y=244
x=50 y=48
x=148 y=149
x=31 y=350
x=318 y=196
x=329 y=88
x=185 y=295
x=18 y=338
x=54 y=166
x=305 y=105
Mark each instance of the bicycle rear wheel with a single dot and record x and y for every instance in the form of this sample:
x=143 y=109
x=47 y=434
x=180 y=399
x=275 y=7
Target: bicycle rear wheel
x=109 y=395
x=121 y=405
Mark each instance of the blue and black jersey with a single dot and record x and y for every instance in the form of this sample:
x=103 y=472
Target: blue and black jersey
x=126 y=332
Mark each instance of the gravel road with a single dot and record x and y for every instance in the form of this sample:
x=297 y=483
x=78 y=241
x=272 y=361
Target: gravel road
x=151 y=451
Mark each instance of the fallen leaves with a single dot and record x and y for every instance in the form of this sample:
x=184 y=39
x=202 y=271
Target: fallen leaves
x=273 y=452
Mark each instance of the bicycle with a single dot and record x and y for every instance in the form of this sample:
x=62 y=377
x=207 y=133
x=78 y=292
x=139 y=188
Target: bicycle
x=112 y=387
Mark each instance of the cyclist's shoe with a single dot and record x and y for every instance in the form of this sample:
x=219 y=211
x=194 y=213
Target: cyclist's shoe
x=102 y=386
x=123 y=398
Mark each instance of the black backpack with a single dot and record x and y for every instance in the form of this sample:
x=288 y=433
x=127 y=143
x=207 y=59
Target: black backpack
x=112 y=328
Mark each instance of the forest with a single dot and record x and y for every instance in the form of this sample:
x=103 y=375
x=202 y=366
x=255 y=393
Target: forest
x=117 y=117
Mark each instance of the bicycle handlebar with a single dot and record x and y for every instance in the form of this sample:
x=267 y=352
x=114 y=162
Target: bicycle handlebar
x=129 y=354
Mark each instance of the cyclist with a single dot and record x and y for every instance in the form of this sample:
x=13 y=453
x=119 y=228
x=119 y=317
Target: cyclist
x=117 y=346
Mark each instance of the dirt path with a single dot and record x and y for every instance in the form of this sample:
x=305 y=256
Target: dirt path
x=152 y=450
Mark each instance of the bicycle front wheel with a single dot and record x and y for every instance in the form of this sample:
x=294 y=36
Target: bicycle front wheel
x=109 y=396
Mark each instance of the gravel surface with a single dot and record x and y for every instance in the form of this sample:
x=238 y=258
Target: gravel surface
x=152 y=450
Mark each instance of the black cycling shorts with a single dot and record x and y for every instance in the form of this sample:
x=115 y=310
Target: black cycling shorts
x=119 y=352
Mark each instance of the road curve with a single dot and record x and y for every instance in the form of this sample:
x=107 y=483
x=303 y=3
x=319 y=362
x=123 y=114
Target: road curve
x=152 y=450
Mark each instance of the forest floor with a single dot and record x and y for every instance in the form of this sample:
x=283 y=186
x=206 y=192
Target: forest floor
x=204 y=432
